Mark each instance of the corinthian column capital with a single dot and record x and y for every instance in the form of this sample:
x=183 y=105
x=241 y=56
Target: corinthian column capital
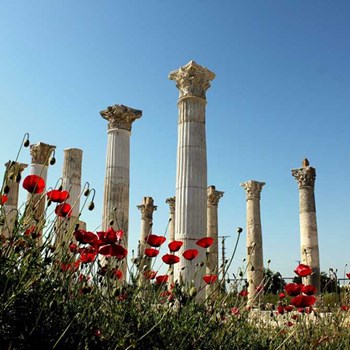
x=120 y=116
x=147 y=208
x=171 y=202
x=41 y=152
x=253 y=188
x=192 y=80
x=213 y=196
x=305 y=176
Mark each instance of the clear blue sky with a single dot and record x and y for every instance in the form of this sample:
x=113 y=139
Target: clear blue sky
x=281 y=94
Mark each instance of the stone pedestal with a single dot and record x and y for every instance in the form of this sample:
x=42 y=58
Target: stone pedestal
x=71 y=182
x=171 y=202
x=116 y=187
x=41 y=153
x=255 y=262
x=147 y=208
x=213 y=197
x=192 y=80
x=305 y=177
x=12 y=179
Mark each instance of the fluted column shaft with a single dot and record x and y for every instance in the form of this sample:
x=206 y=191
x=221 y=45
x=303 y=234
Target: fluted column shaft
x=255 y=269
x=117 y=179
x=13 y=177
x=213 y=197
x=308 y=224
x=192 y=81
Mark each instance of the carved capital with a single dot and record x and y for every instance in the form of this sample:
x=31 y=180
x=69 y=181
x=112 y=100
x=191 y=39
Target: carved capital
x=192 y=80
x=41 y=152
x=147 y=208
x=305 y=176
x=253 y=189
x=213 y=196
x=120 y=116
x=171 y=202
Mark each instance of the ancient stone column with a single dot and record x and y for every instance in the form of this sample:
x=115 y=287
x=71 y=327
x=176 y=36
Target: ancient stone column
x=192 y=80
x=308 y=225
x=171 y=202
x=71 y=182
x=147 y=208
x=116 y=187
x=12 y=179
x=41 y=153
x=255 y=262
x=213 y=232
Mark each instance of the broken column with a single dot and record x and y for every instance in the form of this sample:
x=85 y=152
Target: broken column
x=308 y=224
x=213 y=197
x=12 y=179
x=71 y=182
x=192 y=80
x=255 y=262
x=171 y=202
x=41 y=153
x=117 y=179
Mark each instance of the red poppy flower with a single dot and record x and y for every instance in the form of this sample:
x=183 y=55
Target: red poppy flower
x=308 y=290
x=151 y=252
x=150 y=275
x=162 y=279
x=348 y=275
x=174 y=246
x=63 y=210
x=3 y=199
x=32 y=231
x=281 y=295
x=288 y=308
x=155 y=241
x=118 y=274
x=190 y=254
x=73 y=248
x=345 y=307
x=73 y=266
x=110 y=236
x=205 y=242
x=115 y=250
x=303 y=300
x=57 y=196
x=243 y=293
x=235 y=311
x=170 y=259
x=303 y=270
x=85 y=237
x=87 y=255
x=34 y=184
x=289 y=324
x=209 y=279
x=293 y=289
x=280 y=309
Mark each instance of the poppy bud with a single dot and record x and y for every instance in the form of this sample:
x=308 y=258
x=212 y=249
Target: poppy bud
x=6 y=189
x=240 y=274
x=18 y=177
x=193 y=292
x=201 y=264
x=91 y=206
x=111 y=223
x=11 y=177
x=239 y=229
x=26 y=143
x=252 y=268
x=60 y=188
x=52 y=161
x=49 y=203
x=86 y=192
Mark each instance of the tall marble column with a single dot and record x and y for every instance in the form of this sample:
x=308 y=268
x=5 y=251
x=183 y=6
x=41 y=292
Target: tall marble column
x=255 y=267
x=147 y=208
x=117 y=179
x=12 y=179
x=305 y=177
x=213 y=197
x=192 y=80
x=71 y=182
x=171 y=202
x=41 y=153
